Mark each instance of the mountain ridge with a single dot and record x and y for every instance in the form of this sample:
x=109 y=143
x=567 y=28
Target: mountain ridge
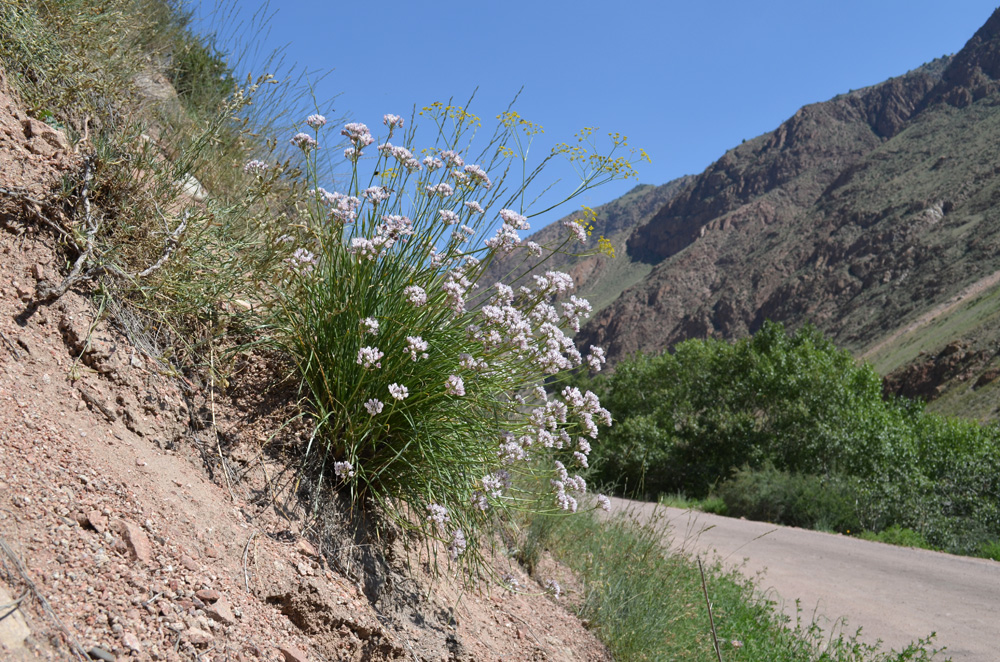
x=858 y=214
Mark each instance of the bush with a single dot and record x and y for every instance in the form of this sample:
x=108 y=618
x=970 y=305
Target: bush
x=428 y=402
x=799 y=415
x=896 y=535
x=990 y=550
x=781 y=497
x=687 y=419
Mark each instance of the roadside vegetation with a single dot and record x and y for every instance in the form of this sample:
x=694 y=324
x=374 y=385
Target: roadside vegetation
x=787 y=428
x=207 y=225
x=648 y=604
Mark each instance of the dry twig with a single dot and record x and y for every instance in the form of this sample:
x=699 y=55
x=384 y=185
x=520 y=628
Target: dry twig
x=711 y=618
x=246 y=552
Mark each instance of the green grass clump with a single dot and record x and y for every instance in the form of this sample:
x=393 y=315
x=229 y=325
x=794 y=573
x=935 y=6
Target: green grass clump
x=645 y=603
x=896 y=535
x=426 y=394
x=712 y=504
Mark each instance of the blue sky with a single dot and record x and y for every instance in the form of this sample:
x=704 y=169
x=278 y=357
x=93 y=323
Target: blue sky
x=684 y=80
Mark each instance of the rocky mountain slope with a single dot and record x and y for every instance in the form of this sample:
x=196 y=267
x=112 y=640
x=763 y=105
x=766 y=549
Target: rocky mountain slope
x=874 y=215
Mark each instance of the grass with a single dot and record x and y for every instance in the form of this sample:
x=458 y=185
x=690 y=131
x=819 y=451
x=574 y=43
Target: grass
x=899 y=536
x=710 y=504
x=645 y=603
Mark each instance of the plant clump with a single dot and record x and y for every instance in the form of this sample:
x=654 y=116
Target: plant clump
x=427 y=385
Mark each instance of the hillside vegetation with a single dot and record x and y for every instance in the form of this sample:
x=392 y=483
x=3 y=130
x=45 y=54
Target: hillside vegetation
x=787 y=428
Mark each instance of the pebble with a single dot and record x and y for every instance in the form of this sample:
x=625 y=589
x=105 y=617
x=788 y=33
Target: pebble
x=131 y=642
x=292 y=654
x=221 y=612
x=306 y=548
x=197 y=636
x=136 y=540
x=98 y=653
x=208 y=595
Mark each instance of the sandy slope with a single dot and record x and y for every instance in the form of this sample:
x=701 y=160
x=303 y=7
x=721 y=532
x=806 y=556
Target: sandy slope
x=895 y=594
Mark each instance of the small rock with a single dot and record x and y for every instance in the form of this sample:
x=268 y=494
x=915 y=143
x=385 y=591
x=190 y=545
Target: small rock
x=292 y=654
x=131 y=642
x=136 y=541
x=22 y=290
x=304 y=569
x=97 y=520
x=197 y=636
x=98 y=653
x=13 y=628
x=189 y=563
x=208 y=595
x=38 y=271
x=221 y=612
x=306 y=548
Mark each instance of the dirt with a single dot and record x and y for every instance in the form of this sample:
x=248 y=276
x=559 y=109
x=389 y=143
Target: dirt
x=141 y=516
x=895 y=594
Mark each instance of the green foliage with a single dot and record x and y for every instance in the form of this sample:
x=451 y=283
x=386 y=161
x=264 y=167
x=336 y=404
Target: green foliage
x=788 y=428
x=685 y=420
x=200 y=74
x=647 y=604
x=896 y=535
x=770 y=495
x=990 y=550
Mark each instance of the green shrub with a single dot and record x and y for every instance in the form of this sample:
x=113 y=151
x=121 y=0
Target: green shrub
x=686 y=419
x=771 y=495
x=990 y=550
x=896 y=535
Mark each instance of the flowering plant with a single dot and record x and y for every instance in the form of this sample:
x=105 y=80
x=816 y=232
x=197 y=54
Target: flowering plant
x=427 y=387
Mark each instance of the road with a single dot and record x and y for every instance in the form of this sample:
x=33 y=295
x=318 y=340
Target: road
x=895 y=594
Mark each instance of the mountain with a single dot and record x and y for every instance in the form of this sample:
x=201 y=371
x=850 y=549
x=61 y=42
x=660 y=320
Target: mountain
x=874 y=215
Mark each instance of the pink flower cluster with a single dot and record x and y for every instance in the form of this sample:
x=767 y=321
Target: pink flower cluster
x=477 y=175
x=401 y=154
x=304 y=141
x=415 y=295
x=392 y=228
x=417 y=347
x=369 y=357
x=302 y=261
x=358 y=134
x=255 y=167
x=442 y=190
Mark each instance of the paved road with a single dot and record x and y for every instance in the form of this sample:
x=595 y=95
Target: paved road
x=896 y=594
